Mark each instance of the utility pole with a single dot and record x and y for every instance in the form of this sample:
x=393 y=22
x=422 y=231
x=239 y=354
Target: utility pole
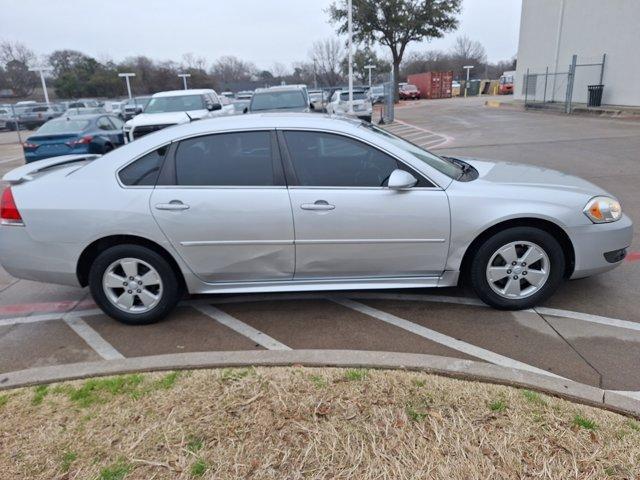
x=126 y=76
x=315 y=75
x=370 y=67
x=466 y=85
x=184 y=77
x=41 y=70
x=350 y=21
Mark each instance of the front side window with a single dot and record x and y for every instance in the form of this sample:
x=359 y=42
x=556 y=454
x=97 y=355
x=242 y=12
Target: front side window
x=117 y=123
x=226 y=159
x=181 y=103
x=144 y=171
x=104 y=124
x=330 y=160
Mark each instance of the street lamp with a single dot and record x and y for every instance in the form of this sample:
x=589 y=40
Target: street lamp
x=350 y=28
x=41 y=70
x=466 y=85
x=126 y=76
x=184 y=77
x=370 y=67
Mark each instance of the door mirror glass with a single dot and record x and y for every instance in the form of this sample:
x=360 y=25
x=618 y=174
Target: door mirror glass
x=400 y=179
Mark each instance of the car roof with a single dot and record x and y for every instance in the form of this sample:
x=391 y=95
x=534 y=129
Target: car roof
x=88 y=116
x=177 y=93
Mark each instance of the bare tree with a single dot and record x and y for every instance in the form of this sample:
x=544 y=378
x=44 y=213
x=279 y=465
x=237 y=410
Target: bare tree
x=327 y=55
x=16 y=59
x=231 y=69
x=16 y=52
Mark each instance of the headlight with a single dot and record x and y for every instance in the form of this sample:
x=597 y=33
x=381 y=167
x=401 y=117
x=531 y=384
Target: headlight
x=603 y=210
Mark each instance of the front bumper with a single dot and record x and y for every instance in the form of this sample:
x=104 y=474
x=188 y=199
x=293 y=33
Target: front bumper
x=591 y=242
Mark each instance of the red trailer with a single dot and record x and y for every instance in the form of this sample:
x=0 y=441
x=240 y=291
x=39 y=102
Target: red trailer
x=433 y=84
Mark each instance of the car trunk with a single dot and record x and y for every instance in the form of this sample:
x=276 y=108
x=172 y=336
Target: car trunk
x=55 y=144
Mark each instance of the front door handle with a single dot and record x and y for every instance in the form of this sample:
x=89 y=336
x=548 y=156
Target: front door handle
x=172 y=205
x=317 y=205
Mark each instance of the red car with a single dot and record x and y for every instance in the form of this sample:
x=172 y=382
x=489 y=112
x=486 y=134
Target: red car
x=409 y=92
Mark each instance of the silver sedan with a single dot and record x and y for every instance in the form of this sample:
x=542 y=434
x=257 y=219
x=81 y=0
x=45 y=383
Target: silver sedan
x=284 y=202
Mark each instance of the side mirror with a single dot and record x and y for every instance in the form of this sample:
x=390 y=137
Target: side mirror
x=215 y=106
x=399 y=179
x=312 y=106
x=246 y=110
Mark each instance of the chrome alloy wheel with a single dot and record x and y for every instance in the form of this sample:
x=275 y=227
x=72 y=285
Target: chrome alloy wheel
x=132 y=285
x=518 y=270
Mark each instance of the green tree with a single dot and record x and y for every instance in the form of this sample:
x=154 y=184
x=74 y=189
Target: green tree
x=396 y=23
x=73 y=72
x=361 y=58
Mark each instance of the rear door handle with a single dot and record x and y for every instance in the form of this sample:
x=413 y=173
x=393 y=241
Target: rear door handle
x=317 y=205
x=172 y=205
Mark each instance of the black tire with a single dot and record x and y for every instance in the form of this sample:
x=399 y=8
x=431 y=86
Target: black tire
x=480 y=261
x=107 y=148
x=171 y=290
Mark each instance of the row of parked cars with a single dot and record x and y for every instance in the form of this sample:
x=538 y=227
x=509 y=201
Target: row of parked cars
x=88 y=126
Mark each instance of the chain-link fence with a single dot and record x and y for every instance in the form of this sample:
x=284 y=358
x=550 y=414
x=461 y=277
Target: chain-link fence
x=567 y=86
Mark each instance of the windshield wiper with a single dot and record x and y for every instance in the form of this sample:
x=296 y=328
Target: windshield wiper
x=464 y=166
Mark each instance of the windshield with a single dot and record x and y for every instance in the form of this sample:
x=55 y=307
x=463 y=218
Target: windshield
x=63 y=126
x=410 y=88
x=344 y=96
x=83 y=111
x=181 y=103
x=447 y=167
x=277 y=100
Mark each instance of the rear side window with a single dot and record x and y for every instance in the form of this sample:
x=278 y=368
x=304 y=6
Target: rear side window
x=226 y=159
x=144 y=171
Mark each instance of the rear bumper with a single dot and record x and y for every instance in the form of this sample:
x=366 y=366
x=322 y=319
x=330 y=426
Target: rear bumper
x=592 y=242
x=32 y=156
x=23 y=257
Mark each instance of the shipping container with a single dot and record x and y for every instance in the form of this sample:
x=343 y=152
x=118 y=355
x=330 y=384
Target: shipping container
x=433 y=84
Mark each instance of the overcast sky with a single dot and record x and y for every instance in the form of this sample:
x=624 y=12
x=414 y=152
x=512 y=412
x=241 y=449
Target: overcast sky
x=260 y=31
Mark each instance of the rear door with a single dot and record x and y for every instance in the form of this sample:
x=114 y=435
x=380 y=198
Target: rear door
x=223 y=204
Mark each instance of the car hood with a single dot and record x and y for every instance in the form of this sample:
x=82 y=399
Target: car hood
x=521 y=175
x=166 y=118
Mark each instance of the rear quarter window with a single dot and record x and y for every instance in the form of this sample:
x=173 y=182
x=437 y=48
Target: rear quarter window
x=144 y=171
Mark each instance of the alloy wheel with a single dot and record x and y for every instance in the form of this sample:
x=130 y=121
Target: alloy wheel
x=132 y=285
x=518 y=270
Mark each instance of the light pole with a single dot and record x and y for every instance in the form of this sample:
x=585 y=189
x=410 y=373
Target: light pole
x=370 y=67
x=350 y=23
x=41 y=70
x=466 y=85
x=184 y=77
x=126 y=76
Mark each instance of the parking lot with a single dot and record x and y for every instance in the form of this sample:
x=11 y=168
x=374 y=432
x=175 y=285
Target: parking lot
x=588 y=332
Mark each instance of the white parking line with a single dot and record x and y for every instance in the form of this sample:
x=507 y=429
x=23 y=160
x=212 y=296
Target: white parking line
x=587 y=317
x=45 y=317
x=92 y=338
x=442 y=339
x=242 y=328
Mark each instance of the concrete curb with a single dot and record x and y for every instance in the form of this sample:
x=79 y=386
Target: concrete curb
x=464 y=369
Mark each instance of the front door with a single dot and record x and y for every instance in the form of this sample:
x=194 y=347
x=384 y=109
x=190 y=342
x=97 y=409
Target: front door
x=348 y=224
x=226 y=208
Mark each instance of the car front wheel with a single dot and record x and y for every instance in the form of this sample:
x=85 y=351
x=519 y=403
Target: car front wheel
x=517 y=268
x=134 y=284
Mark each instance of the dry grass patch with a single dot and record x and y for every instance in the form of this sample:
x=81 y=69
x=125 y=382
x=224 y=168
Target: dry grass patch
x=292 y=423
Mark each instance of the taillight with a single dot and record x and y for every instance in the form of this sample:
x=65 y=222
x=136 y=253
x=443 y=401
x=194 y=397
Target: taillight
x=81 y=141
x=29 y=145
x=9 y=213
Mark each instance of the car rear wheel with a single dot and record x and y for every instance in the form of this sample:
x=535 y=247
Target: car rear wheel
x=517 y=268
x=134 y=284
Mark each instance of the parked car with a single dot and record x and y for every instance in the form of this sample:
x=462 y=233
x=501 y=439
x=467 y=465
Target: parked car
x=174 y=107
x=362 y=106
x=291 y=98
x=244 y=95
x=409 y=92
x=134 y=106
x=228 y=107
x=114 y=107
x=83 y=103
x=239 y=106
x=316 y=97
x=5 y=115
x=455 y=88
x=34 y=116
x=84 y=111
x=228 y=95
x=505 y=85
x=347 y=205
x=80 y=134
